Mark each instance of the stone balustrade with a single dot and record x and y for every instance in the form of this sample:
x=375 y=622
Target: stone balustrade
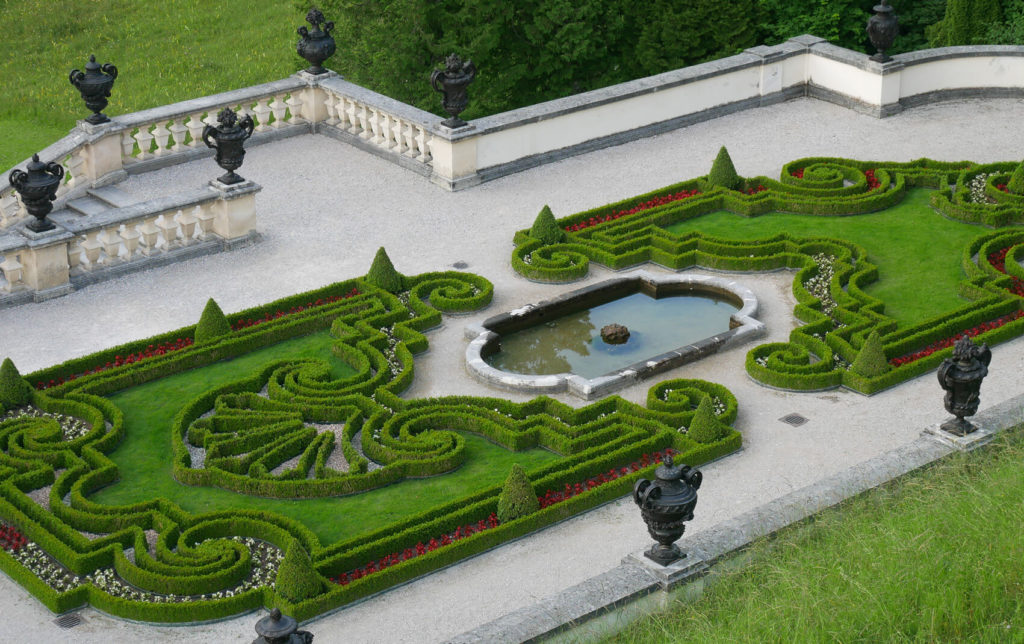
x=91 y=248
x=493 y=146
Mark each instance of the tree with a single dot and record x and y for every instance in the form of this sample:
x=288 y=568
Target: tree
x=517 y=498
x=297 y=579
x=383 y=274
x=705 y=426
x=212 y=323
x=871 y=360
x=14 y=390
x=966 y=22
x=723 y=173
x=545 y=228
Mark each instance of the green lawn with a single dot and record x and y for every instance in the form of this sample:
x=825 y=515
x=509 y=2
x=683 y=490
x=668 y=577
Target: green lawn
x=917 y=251
x=144 y=458
x=165 y=52
x=932 y=557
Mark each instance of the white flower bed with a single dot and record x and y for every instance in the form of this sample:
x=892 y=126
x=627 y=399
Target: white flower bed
x=70 y=426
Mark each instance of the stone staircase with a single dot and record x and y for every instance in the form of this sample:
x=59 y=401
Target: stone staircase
x=99 y=200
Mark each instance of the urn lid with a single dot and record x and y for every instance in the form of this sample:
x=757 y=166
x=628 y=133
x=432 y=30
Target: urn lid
x=883 y=8
x=92 y=67
x=668 y=471
x=276 y=625
x=35 y=165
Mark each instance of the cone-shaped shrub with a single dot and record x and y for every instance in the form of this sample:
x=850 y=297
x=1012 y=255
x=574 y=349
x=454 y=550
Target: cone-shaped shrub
x=297 y=579
x=517 y=497
x=705 y=426
x=14 y=391
x=383 y=274
x=871 y=362
x=212 y=323
x=723 y=173
x=545 y=228
x=1016 y=182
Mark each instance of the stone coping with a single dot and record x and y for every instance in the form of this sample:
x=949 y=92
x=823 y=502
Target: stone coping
x=638 y=576
x=481 y=336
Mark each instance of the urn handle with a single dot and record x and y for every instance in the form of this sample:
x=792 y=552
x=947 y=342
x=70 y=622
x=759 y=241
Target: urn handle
x=109 y=70
x=207 y=131
x=693 y=476
x=643 y=492
x=76 y=76
x=17 y=177
x=247 y=124
x=435 y=80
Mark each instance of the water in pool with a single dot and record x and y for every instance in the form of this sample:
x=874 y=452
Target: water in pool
x=573 y=344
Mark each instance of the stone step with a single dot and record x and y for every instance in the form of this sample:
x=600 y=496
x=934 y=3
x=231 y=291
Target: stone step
x=112 y=195
x=88 y=205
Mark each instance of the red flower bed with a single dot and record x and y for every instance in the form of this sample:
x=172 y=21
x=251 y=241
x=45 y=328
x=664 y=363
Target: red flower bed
x=11 y=539
x=647 y=205
x=551 y=497
x=948 y=342
x=248 y=322
x=799 y=174
x=1002 y=186
x=752 y=191
x=998 y=261
x=872 y=181
x=182 y=343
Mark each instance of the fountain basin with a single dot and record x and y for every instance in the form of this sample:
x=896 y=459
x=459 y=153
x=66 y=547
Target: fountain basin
x=581 y=380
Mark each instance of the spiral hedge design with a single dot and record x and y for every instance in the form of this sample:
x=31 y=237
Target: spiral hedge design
x=838 y=319
x=260 y=435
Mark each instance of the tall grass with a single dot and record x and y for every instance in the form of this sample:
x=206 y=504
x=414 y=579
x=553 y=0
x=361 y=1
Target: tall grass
x=937 y=556
x=165 y=52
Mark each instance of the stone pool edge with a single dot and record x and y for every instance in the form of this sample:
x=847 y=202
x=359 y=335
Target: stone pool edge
x=748 y=328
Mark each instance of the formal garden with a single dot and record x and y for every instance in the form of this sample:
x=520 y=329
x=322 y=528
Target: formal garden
x=273 y=457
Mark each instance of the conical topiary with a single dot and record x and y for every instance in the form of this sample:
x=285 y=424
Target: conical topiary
x=517 y=497
x=14 y=390
x=383 y=274
x=1016 y=183
x=212 y=323
x=705 y=426
x=871 y=361
x=545 y=228
x=723 y=173
x=297 y=579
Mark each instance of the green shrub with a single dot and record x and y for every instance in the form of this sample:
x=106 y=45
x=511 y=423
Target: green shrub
x=212 y=323
x=871 y=360
x=704 y=427
x=14 y=391
x=723 y=173
x=1016 y=183
x=383 y=274
x=545 y=228
x=296 y=578
x=517 y=497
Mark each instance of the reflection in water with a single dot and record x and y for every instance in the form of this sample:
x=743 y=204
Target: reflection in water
x=573 y=344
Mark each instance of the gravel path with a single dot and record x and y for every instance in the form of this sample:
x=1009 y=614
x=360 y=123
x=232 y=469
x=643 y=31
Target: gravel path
x=326 y=208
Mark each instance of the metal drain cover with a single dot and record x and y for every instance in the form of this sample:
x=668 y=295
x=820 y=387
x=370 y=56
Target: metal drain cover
x=70 y=620
x=793 y=419
x=460 y=265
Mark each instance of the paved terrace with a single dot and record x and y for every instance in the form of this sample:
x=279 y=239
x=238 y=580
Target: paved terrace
x=326 y=207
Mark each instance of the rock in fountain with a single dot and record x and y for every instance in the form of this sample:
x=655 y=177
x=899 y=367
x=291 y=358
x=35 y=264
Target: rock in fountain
x=615 y=334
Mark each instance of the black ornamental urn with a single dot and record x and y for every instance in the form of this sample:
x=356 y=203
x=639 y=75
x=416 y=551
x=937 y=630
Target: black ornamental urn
x=666 y=504
x=280 y=629
x=882 y=30
x=38 y=189
x=228 y=138
x=318 y=45
x=94 y=84
x=452 y=81
x=961 y=377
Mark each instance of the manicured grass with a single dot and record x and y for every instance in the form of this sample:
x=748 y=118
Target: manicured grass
x=144 y=457
x=917 y=251
x=165 y=52
x=933 y=557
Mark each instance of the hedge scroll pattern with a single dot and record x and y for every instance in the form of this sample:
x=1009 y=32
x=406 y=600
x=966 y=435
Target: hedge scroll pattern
x=153 y=561
x=837 y=319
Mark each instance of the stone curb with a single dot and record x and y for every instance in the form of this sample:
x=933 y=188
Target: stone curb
x=636 y=576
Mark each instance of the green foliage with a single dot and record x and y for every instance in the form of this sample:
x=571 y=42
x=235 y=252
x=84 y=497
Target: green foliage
x=1011 y=30
x=723 y=173
x=383 y=274
x=705 y=428
x=14 y=391
x=212 y=323
x=871 y=360
x=517 y=498
x=297 y=579
x=841 y=22
x=966 y=22
x=1016 y=183
x=546 y=229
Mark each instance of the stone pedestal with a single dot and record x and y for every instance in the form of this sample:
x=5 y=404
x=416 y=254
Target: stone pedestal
x=235 y=209
x=454 y=160
x=675 y=573
x=44 y=260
